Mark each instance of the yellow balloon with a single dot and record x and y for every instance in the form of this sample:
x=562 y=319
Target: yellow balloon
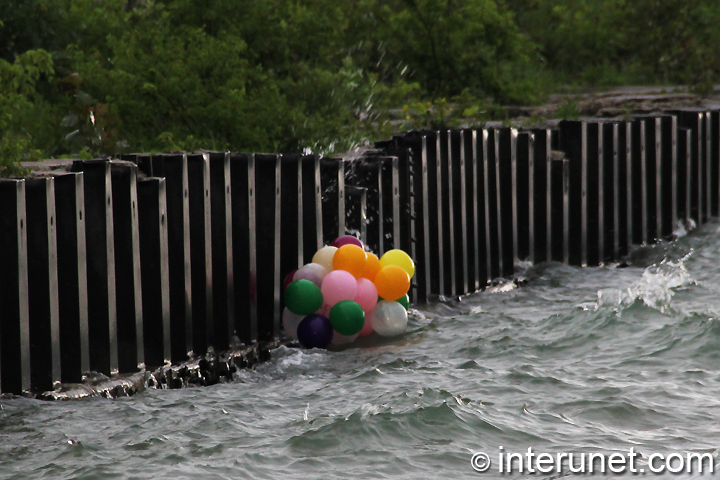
x=399 y=258
x=324 y=257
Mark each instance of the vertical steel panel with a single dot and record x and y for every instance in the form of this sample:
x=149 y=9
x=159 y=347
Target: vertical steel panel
x=100 y=250
x=448 y=196
x=463 y=178
x=440 y=228
x=583 y=196
x=127 y=267
x=72 y=277
x=222 y=252
x=514 y=188
x=396 y=203
x=200 y=251
x=616 y=190
x=14 y=304
x=548 y=195
x=600 y=194
x=658 y=179
x=476 y=207
x=155 y=276
x=531 y=197
x=252 y=232
x=630 y=198
x=674 y=198
x=490 y=225
x=566 y=211
x=426 y=216
x=318 y=205
x=278 y=219
x=243 y=248
x=43 y=285
x=707 y=150
x=341 y=198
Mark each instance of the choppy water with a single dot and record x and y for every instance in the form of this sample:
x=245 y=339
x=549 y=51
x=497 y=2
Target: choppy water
x=576 y=360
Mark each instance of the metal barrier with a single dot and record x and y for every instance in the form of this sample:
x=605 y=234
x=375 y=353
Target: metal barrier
x=119 y=266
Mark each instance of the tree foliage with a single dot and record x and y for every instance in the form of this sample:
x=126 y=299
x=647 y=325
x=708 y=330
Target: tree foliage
x=100 y=77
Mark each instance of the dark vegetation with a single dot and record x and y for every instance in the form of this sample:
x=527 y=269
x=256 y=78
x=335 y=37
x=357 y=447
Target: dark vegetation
x=96 y=77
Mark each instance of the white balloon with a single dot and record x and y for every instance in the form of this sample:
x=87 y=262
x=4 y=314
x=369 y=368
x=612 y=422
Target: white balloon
x=340 y=339
x=313 y=272
x=290 y=322
x=388 y=318
x=324 y=257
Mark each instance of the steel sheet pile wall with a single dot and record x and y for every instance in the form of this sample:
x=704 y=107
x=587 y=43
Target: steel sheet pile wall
x=157 y=259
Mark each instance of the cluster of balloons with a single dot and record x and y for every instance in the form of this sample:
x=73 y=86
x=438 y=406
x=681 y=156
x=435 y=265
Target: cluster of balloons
x=347 y=292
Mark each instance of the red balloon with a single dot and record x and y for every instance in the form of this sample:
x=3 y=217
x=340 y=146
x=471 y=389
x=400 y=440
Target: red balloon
x=288 y=279
x=346 y=240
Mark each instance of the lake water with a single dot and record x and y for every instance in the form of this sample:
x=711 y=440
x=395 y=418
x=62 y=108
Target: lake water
x=574 y=360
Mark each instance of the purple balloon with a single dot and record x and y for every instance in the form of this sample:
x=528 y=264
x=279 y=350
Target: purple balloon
x=315 y=331
x=347 y=240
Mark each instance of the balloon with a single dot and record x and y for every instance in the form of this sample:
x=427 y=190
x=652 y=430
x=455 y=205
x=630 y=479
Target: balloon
x=288 y=279
x=367 y=295
x=347 y=317
x=338 y=285
x=340 y=339
x=290 y=322
x=404 y=301
x=392 y=282
x=346 y=240
x=313 y=272
x=315 y=331
x=367 y=329
x=324 y=257
x=350 y=258
x=388 y=318
x=399 y=258
x=303 y=297
x=372 y=267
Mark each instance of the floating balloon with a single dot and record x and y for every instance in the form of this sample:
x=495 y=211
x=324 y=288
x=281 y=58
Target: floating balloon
x=350 y=258
x=404 y=301
x=399 y=258
x=340 y=339
x=313 y=272
x=288 y=279
x=347 y=317
x=303 y=297
x=315 y=331
x=324 y=257
x=346 y=240
x=372 y=267
x=290 y=322
x=367 y=295
x=367 y=328
x=338 y=285
x=392 y=282
x=388 y=318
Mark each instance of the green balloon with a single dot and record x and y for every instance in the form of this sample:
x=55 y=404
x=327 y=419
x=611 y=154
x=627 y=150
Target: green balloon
x=404 y=301
x=303 y=297
x=347 y=317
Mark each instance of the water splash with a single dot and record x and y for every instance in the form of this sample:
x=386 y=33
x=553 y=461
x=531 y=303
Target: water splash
x=654 y=289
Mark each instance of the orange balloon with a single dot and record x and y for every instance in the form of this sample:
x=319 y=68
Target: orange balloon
x=373 y=266
x=392 y=282
x=350 y=258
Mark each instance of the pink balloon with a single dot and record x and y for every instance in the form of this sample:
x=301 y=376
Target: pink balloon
x=367 y=294
x=346 y=240
x=338 y=285
x=367 y=329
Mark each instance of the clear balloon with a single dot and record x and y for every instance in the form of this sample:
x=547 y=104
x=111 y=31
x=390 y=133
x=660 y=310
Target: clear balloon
x=312 y=271
x=389 y=318
x=338 y=285
x=350 y=258
x=290 y=322
x=399 y=258
x=324 y=257
x=315 y=331
x=367 y=295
